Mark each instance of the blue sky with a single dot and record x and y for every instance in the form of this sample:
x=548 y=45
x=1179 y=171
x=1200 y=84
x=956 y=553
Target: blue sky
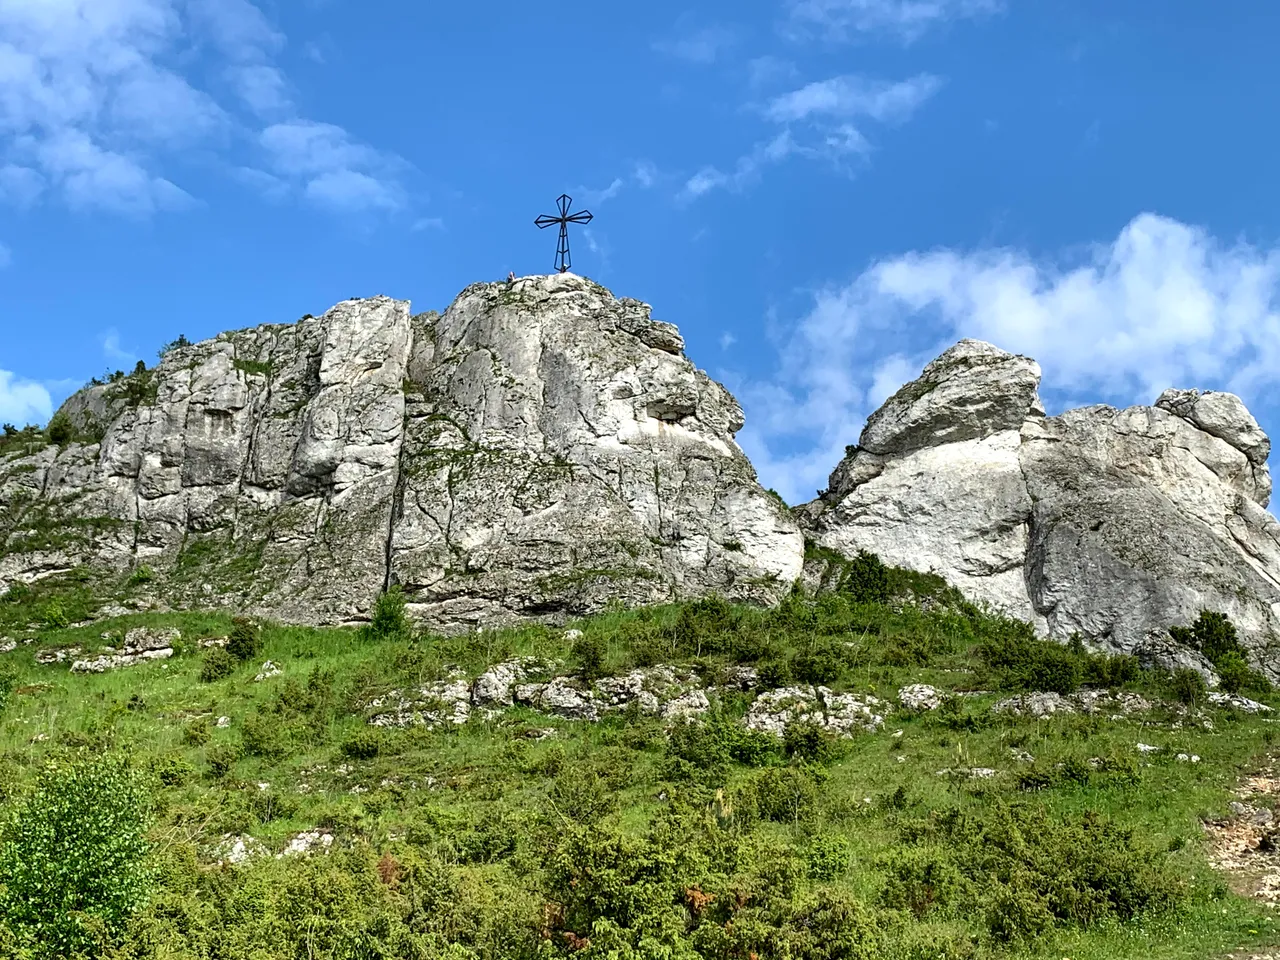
x=822 y=194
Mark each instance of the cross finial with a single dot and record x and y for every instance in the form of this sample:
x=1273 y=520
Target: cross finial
x=565 y=218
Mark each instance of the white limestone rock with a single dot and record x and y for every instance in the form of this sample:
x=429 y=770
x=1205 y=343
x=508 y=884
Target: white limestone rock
x=841 y=714
x=920 y=696
x=1114 y=524
x=540 y=449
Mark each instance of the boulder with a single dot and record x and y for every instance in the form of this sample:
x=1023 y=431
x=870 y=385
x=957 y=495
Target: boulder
x=1111 y=524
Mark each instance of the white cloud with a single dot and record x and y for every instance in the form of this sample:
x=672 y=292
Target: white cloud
x=851 y=96
x=727 y=340
x=906 y=19
x=697 y=45
x=643 y=175
x=816 y=123
x=1164 y=304
x=96 y=96
x=23 y=402
x=330 y=168
x=427 y=223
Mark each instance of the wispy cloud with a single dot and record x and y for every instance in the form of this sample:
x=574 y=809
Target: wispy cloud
x=643 y=174
x=702 y=45
x=97 y=97
x=818 y=124
x=1164 y=304
x=853 y=96
x=6 y=257
x=113 y=352
x=906 y=20
x=331 y=169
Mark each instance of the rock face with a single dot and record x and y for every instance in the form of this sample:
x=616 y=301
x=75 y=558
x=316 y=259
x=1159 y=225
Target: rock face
x=538 y=450
x=1111 y=523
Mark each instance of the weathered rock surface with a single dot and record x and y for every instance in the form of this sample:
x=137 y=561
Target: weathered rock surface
x=536 y=451
x=1114 y=524
x=140 y=646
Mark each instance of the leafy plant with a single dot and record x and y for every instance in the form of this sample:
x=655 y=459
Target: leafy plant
x=245 y=640
x=73 y=857
x=389 y=620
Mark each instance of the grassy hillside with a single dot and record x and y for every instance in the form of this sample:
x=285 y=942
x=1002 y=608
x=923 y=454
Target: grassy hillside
x=949 y=833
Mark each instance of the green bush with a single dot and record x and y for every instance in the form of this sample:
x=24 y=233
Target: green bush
x=1236 y=676
x=389 y=620
x=218 y=664
x=73 y=857
x=921 y=881
x=865 y=579
x=822 y=663
x=809 y=743
x=60 y=430
x=364 y=745
x=1017 y=660
x=1187 y=686
x=8 y=680
x=589 y=652
x=245 y=641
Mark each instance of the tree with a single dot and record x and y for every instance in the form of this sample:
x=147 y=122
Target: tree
x=60 y=430
x=73 y=856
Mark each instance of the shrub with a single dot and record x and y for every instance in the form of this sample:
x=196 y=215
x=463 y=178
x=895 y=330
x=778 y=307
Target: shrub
x=1017 y=660
x=589 y=652
x=822 y=663
x=60 y=429
x=1187 y=686
x=1238 y=677
x=389 y=620
x=782 y=794
x=218 y=665
x=73 y=859
x=808 y=742
x=865 y=579
x=1104 y=671
x=245 y=642
x=364 y=745
x=221 y=757
x=8 y=680
x=827 y=858
x=920 y=880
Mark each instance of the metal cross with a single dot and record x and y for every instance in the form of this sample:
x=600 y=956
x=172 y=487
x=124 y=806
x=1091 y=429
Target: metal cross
x=565 y=218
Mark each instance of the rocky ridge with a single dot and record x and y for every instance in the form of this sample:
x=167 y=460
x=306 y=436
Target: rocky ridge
x=539 y=449
x=1113 y=524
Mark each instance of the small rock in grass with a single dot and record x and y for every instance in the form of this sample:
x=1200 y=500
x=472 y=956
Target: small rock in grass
x=920 y=696
x=269 y=669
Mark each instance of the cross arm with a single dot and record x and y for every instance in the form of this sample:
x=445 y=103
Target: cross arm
x=582 y=216
x=546 y=221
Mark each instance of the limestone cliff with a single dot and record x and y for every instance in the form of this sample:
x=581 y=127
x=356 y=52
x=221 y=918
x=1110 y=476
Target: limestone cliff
x=1111 y=523
x=538 y=450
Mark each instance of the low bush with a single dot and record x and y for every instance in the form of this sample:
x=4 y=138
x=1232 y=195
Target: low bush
x=245 y=641
x=389 y=621
x=217 y=665
x=1187 y=686
x=1017 y=660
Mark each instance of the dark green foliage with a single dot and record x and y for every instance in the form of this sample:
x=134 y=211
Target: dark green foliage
x=589 y=653
x=821 y=663
x=217 y=665
x=389 y=620
x=865 y=579
x=808 y=742
x=921 y=880
x=1187 y=686
x=8 y=680
x=1238 y=677
x=245 y=641
x=181 y=341
x=60 y=430
x=364 y=745
x=1214 y=635
x=1017 y=660
x=704 y=751
x=1117 y=671
x=72 y=863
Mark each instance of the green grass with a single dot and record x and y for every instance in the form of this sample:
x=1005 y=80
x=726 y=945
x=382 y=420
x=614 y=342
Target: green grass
x=487 y=825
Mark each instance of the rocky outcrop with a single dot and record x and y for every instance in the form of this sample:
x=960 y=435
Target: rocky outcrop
x=539 y=450
x=1114 y=524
